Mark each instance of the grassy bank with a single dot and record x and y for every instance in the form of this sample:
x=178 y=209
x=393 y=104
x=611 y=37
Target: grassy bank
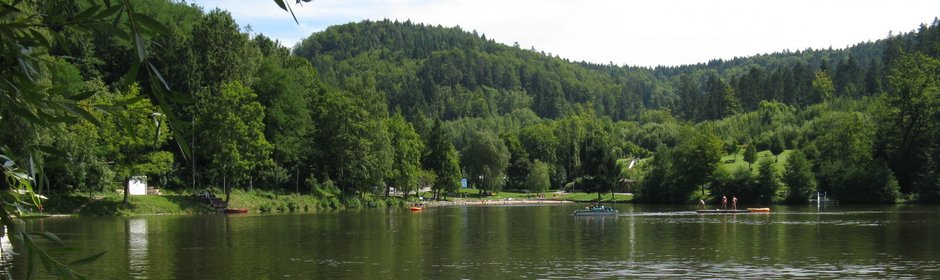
x=590 y=197
x=111 y=204
x=173 y=202
x=576 y=197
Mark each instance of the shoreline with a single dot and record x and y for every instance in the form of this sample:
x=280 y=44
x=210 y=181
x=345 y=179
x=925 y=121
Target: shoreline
x=501 y=202
x=267 y=202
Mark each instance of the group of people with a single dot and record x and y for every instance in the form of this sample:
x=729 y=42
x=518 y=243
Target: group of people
x=724 y=203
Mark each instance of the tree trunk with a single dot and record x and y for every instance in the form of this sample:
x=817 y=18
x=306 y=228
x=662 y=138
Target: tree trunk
x=226 y=189
x=127 y=188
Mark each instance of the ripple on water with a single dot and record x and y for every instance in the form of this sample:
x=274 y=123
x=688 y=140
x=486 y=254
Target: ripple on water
x=684 y=268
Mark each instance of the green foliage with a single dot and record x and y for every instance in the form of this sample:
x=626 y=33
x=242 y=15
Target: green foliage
x=740 y=183
x=909 y=128
x=766 y=183
x=485 y=160
x=519 y=164
x=538 y=180
x=351 y=143
x=676 y=173
x=286 y=87
x=799 y=179
x=407 y=149
x=656 y=185
x=776 y=145
x=443 y=160
x=694 y=160
x=231 y=133
x=847 y=169
x=598 y=171
x=822 y=87
x=750 y=155
x=225 y=54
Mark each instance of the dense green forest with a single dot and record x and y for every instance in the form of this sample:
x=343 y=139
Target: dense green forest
x=383 y=106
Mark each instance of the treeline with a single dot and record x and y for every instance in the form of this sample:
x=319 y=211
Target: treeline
x=383 y=107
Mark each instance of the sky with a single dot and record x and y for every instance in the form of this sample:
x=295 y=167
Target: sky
x=635 y=33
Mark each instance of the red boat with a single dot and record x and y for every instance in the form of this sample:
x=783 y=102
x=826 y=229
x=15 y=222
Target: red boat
x=236 y=210
x=416 y=209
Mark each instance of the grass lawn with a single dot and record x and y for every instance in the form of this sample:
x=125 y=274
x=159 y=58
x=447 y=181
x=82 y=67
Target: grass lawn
x=108 y=204
x=475 y=193
x=740 y=163
x=587 y=197
x=579 y=197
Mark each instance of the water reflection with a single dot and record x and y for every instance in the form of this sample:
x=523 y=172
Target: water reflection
x=514 y=242
x=137 y=248
x=6 y=254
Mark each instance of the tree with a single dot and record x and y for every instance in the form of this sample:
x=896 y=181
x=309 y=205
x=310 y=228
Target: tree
x=822 y=88
x=720 y=99
x=443 y=160
x=689 y=107
x=598 y=172
x=846 y=165
x=485 y=159
x=776 y=146
x=750 y=155
x=351 y=143
x=695 y=159
x=538 y=180
x=136 y=153
x=657 y=184
x=519 y=164
x=231 y=133
x=799 y=178
x=286 y=87
x=909 y=123
x=407 y=148
x=766 y=183
x=224 y=52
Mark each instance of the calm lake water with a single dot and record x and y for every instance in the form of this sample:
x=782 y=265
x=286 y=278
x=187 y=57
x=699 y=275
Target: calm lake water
x=507 y=242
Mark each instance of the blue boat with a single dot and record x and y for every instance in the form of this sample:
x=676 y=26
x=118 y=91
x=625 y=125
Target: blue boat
x=597 y=211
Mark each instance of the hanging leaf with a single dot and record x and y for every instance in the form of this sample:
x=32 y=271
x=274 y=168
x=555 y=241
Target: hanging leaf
x=280 y=3
x=151 y=23
x=156 y=72
x=141 y=47
x=51 y=237
x=88 y=259
x=82 y=96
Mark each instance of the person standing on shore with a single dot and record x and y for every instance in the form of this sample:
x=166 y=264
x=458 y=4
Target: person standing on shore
x=724 y=202
x=734 y=202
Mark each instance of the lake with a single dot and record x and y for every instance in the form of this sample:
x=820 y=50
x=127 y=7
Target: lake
x=506 y=242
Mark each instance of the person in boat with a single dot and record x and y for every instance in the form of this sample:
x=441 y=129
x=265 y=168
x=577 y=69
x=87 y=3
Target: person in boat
x=734 y=202
x=724 y=202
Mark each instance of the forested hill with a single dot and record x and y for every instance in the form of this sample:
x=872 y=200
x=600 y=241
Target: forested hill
x=371 y=106
x=451 y=73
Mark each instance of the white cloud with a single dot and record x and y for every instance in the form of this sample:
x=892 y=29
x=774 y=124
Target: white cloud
x=645 y=33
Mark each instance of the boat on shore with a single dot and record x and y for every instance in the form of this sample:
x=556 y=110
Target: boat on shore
x=235 y=210
x=597 y=211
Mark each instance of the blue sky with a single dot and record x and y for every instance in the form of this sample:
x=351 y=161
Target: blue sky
x=643 y=33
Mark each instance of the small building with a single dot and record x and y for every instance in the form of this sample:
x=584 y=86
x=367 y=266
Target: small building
x=137 y=185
